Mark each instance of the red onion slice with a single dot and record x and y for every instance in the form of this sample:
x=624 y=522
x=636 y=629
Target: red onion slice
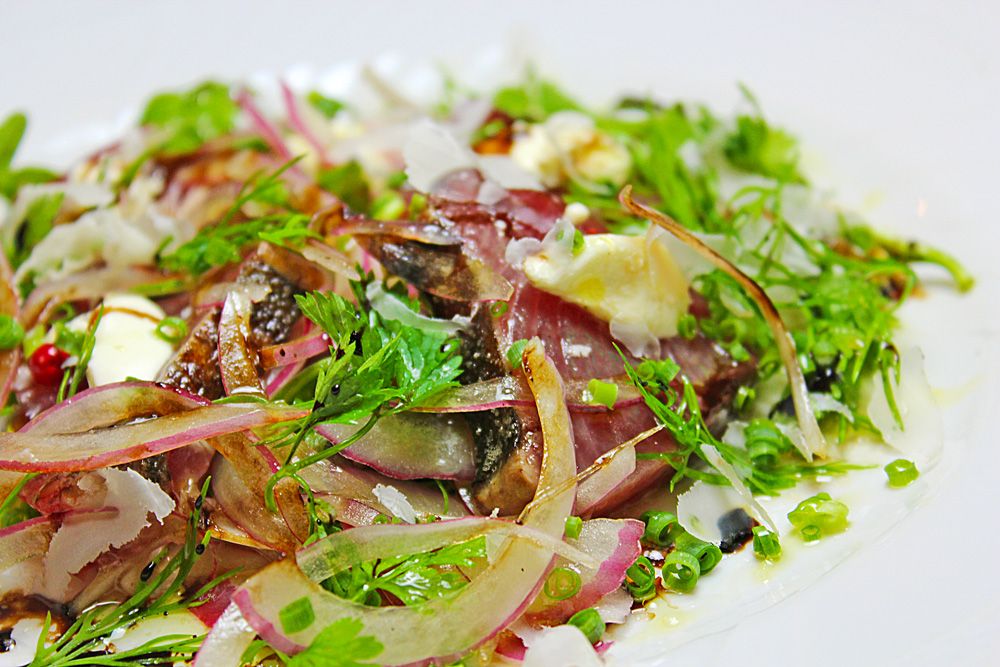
x=229 y=637
x=295 y=351
x=263 y=125
x=411 y=446
x=441 y=629
x=111 y=404
x=236 y=360
x=247 y=508
x=89 y=284
x=61 y=451
x=26 y=540
x=330 y=258
x=298 y=123
x=612 y=542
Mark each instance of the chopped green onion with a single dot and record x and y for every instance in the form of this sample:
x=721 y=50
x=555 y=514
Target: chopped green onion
x=811 y=533
x=11 y=333
x=562 y=584
x=901 y=472
x=661 y=528
x=640 y=579
x=499 y=308
x=708 y=554
x=590 y=623
x=515 y=352
x=765 y=441
x=577 y=242
x=765 y=543
x=171 y=329
x=389 y=206
x=418 y=203
x=818 y=516
x=680 y=571
x=602 y=393
x=574 y=525
x=297 y=616
x=687 y=326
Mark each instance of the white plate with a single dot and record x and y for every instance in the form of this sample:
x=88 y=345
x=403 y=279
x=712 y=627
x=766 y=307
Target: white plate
x=896 y=103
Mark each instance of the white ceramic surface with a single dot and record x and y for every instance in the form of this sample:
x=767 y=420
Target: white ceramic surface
x=897 y=105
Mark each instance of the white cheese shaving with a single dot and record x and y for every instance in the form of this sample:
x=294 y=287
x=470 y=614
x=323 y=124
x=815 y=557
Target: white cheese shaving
x=431 y=151
x=395 y=502
x=922 y=437
x=561 y=646
x=84 y=537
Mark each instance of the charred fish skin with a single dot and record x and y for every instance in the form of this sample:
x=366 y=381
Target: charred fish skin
x=195 y=366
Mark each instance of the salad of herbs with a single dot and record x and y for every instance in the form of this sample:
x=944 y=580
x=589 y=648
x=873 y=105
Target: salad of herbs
x=328 y=379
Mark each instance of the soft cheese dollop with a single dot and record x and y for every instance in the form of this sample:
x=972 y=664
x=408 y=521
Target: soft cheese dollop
x=125 y=342
x=569 y=144
x=629 y=281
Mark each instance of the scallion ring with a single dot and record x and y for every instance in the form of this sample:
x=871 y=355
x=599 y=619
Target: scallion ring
x=661 y=528
x=708 y=554
x=562 y=584
x=901 y=472
x=765 y=543
x=171 y=329
x=590 y=623
x=680 y=571
x=640 y=579
x=574 y=525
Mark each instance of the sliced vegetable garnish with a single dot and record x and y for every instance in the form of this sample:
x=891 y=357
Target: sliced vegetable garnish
x=901 y=472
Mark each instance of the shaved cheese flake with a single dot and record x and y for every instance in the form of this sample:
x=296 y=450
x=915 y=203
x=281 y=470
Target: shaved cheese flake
x=561 y=646
x=86 y=536
x=395 y=502
x=922 y=437
x=713 y=456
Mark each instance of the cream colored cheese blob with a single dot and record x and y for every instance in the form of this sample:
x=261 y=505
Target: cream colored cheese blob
x=125 y=343
x=630 y=280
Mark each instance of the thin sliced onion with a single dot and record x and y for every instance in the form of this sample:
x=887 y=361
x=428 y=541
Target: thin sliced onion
x=614 y=544
x=263 y=125
x=298 y=123
x=26 y=540
x=325 y=558
x=236 y=361
x=411 y=446
x=111 y=404
x=295 y=351
x=230 y=636
x=89 y=450
x=814 y=443
x=330 y=258
x=247 y=509
x=89 y=284
x=616 y=466
x=405 y=230
x=441 y=629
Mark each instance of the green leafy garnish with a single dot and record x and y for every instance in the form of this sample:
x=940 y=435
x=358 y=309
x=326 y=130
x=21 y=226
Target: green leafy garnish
x=11 y=132
x=338 y=645
x=412 y=579
x=377 y=367
x=190 y=118
x=224 y=242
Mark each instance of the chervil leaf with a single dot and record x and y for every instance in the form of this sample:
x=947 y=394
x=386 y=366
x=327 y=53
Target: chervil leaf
x=338 y=645
x=192 y=117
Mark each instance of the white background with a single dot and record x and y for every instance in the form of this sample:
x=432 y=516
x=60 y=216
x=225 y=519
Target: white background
x=898 y=102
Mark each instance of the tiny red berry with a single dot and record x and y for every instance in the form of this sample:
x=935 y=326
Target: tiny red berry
x=46 y=363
